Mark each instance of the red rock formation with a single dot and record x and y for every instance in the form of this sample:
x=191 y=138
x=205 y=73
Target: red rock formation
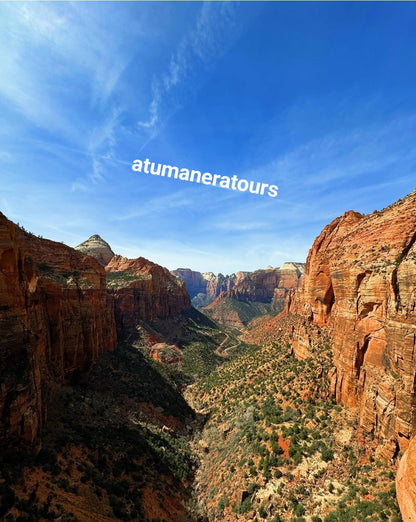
x=360 y=283
x=205 y=287
x=220 y=283
x=55 y=318
x=144 y=291
x=255 y=293
x=406 y=483
x=195 y=282
x=268 y=285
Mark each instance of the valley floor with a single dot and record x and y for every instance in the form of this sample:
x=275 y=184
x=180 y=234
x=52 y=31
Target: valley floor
x=276 y=447
x=257 y=439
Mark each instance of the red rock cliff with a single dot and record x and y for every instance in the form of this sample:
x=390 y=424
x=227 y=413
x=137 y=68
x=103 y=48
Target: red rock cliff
x=360 y=283
x=270 y=285
x=144 y=291
x=406 y=483
x=55 y=318
x=205 y=286
x=255 y=293
x=195 y=282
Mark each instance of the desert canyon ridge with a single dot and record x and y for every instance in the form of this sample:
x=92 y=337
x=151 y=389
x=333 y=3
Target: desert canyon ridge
x=66 y=315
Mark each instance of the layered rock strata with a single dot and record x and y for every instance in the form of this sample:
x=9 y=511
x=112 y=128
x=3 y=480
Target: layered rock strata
x=270 y=285
x=96 y=247
x=143 y=291
x=265 y=286
x=360 y=283
x=204 y=287
x=406 y=483
x=55 y=318
x=256 y=293
x=194 y=281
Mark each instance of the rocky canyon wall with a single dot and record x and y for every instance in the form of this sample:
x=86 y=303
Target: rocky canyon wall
x=60 y=309
x=143 y=291
x=56 y=317
x=265 y=286
x=195 y=282
x=255 y=293
x=204 y=287
x=406 y=483
x=270 y=285
x=360 y=285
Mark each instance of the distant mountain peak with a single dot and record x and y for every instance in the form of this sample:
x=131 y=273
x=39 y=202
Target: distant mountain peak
x=96 y=237
x=96 y=247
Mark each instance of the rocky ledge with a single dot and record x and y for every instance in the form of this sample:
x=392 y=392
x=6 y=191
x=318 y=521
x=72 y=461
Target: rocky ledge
x=56 y=318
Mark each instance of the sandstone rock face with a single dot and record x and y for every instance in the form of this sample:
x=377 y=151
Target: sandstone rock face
x=96 y=247
x=204 y=287
x=143 y=291
x=406 y=483
x=255 y=293
x=55 y=318
x=268 y=286
x=360 y=284
x=220 y=283
x=194 y=281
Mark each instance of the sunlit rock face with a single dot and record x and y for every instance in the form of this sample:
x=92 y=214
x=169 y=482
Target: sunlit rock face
x=144 y=291
x=204 y=287
x=406 y=483
x=96 y=247
x=360 y=283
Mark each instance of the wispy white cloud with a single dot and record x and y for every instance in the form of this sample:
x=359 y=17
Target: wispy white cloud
x=61 y=62
x=153 y=109
x=215 y=30
x=5 y=156
x=343 y=156
x=79 y=185
x=165 y=204
x=101 y=146
x=240 y=226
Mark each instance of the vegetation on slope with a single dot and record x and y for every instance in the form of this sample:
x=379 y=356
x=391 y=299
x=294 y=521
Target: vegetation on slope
x=115 y=447
x=122 y=443
x=201 y=345
x=117 y=442
x=276 y=447
x=123 y=278
x=228 y=310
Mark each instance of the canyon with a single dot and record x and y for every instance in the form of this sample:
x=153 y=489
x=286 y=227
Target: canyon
x=204 y=287
x=60 y=311
x=346 y=321
x=237 y=298
x=269 y=285
x=255 y=293
x=359 y=289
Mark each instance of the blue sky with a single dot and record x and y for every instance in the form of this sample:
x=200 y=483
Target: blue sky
x=317 y=98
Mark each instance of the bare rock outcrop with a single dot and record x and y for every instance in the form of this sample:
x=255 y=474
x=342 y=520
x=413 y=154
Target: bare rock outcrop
x=406 y=483
x=96 y=247
x=360 y=284
x=144 y=291
x=255 y=293
x=55 y=318
x=194 y=281
x=217 y=283
x=204 y=287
